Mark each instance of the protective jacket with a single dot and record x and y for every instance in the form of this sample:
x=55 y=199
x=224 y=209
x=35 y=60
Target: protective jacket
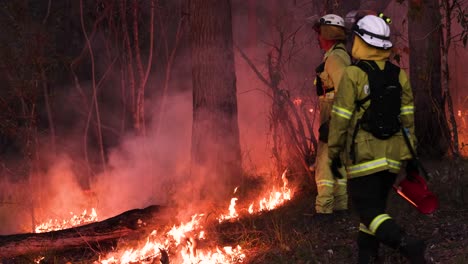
x=371 y=154
x=332 y=193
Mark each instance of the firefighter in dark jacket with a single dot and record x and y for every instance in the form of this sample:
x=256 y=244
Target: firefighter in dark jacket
x=331 y=193
x=373 y=165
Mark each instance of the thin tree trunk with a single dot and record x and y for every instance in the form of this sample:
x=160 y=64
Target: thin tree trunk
x=129 y=62
x=94 y=97
x=50 y=119
x=167 y=76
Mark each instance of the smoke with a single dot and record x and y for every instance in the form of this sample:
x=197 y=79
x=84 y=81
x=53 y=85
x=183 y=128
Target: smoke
x=146 y=170
x=150 y=169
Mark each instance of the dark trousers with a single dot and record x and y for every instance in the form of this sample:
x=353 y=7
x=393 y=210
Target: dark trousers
x=369 y=194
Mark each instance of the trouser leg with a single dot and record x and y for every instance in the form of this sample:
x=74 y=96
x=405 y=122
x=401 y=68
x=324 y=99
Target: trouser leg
x=324 y=180
x=369 y=195
x=368 y=246
x=340 y=193
x=390 y=233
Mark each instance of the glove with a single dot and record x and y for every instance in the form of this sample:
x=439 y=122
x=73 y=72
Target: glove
x=323 y=131
x=334 y=166
x=412 y=169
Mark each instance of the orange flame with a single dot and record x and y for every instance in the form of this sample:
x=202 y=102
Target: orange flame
x=75 y=220
x=187 y=235
x=183 y=239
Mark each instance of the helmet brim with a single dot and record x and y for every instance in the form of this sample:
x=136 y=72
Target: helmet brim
x=375 y=42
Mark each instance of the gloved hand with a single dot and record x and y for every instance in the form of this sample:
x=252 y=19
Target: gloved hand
x=334 y=166
x=412 y=169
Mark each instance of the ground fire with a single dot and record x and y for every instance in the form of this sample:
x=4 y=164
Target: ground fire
x=184 y=242
x=75 y=220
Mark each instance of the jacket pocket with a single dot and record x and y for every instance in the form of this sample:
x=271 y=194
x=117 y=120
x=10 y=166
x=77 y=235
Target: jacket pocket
x=364 y=148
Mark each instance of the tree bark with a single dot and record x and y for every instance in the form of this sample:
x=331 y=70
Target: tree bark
x=424 y=34
x=128 y=224
x=216 y=156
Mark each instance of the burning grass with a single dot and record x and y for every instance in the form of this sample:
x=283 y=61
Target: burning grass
x=186 y=242
x=75 y=220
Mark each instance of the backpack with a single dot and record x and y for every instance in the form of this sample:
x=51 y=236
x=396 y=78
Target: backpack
x=382 y=117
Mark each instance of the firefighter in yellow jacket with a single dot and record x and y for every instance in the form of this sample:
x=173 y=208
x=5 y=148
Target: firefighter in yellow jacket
x=371 y=163
x=331 y=193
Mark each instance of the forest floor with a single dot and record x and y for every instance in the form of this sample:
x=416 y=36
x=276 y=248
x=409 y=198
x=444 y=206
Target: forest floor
x=291 y=234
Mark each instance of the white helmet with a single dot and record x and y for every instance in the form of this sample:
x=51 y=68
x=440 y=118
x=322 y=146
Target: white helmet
x=374 y=31
x=332 y=20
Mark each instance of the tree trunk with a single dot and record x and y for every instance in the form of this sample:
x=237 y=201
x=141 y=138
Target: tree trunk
x=216 y=158
x=446 y=43
x=424 y=41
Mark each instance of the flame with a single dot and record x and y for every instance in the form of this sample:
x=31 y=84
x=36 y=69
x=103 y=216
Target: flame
x=75 y=220
x=183 y=239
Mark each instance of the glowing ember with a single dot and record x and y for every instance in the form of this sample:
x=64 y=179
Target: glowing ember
x=75 y=220
x=39 y=259
x=297 y=101
x=182 y=240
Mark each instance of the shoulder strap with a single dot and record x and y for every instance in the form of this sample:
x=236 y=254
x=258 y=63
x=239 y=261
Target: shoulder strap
x=367 y=66
x=339 y=47
x=392 y=69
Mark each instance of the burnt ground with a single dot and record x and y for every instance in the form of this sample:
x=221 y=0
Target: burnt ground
x=291 y=234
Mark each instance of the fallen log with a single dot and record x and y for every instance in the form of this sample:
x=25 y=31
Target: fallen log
x=132 y=224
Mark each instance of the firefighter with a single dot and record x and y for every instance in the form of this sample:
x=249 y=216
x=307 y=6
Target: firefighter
x=331 y=193
x=373 y=167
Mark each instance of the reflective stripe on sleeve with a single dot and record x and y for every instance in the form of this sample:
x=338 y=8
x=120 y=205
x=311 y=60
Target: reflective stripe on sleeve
x=325 y=183
x=363 y=228
x=341 y=182
x=373 y=164
x=407 y=110
x=377 y=221
x=342 y=112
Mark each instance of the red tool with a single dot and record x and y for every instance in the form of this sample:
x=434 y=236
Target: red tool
x=415 y=191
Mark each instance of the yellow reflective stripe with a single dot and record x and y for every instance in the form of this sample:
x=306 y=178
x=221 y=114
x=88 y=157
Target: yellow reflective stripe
x=342 y=112
x=394 y=164
x=406 y=110
x=373 y=164
x=341 y=182
x=325 y=183
x=377 y=221
x=363 y=228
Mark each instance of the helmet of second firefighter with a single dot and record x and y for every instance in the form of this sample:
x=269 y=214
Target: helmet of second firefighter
x=374 y=31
